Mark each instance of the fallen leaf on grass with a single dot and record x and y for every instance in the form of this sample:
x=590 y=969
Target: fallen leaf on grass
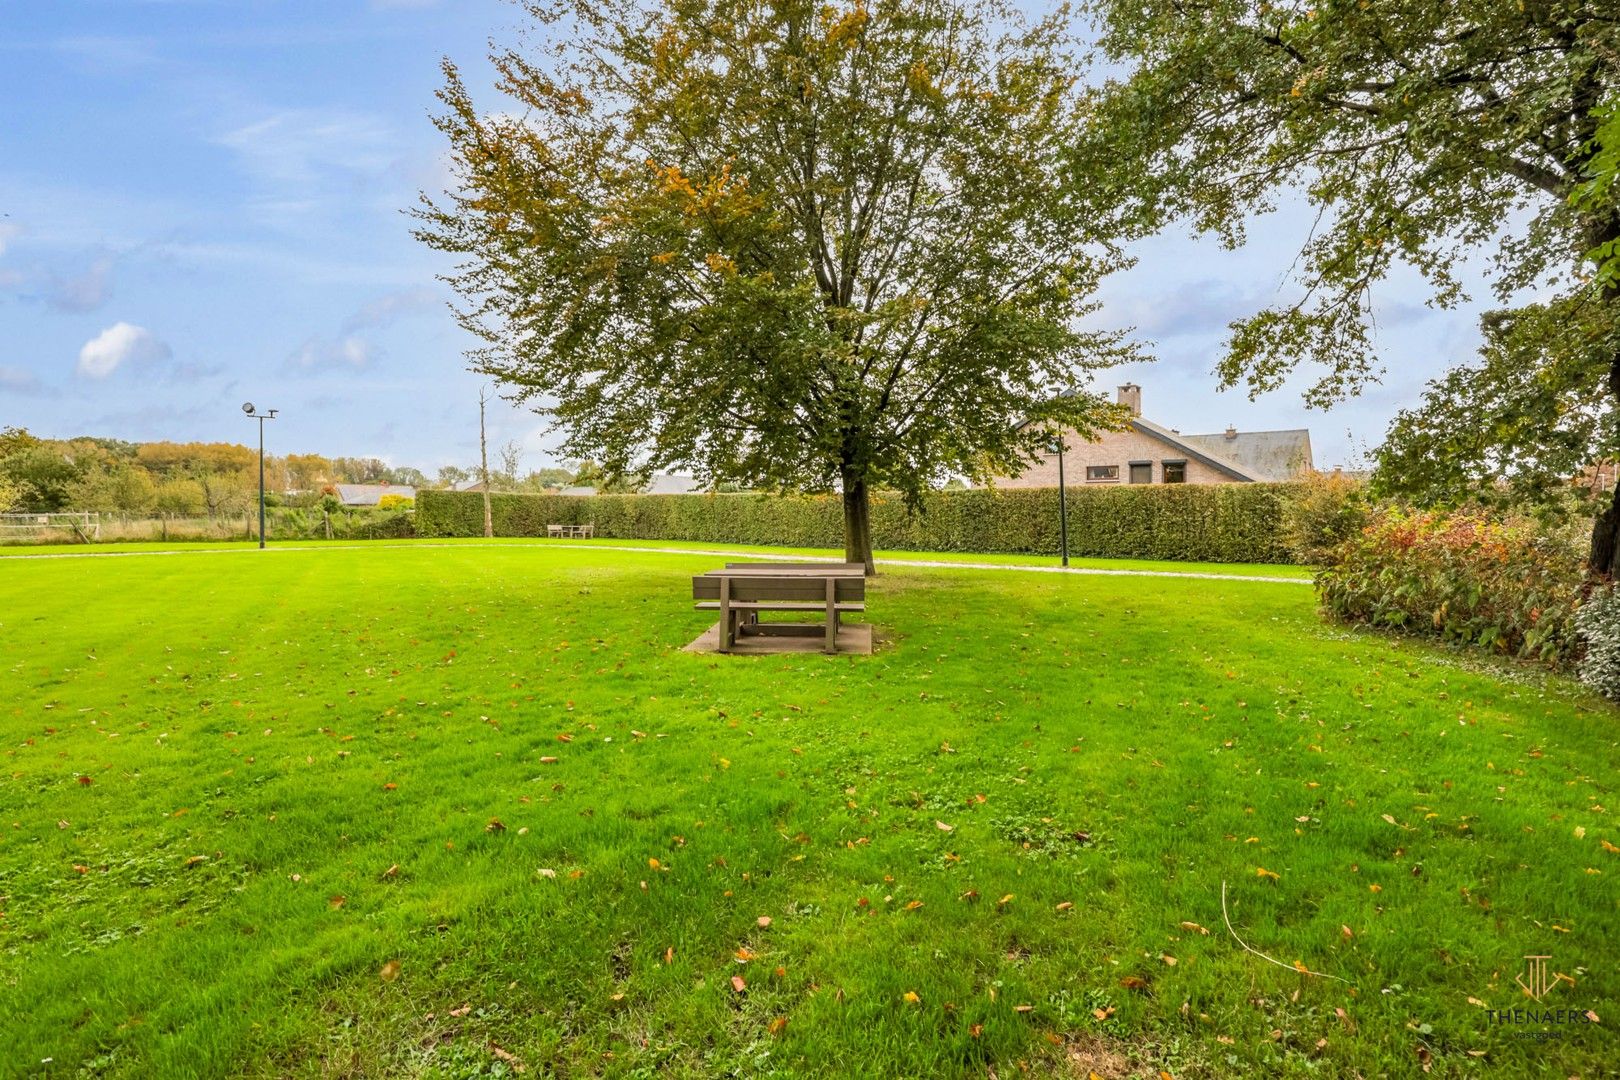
x=390 y=971
x=1262 y=872
x=508 y=1057
x=1005 y=900
x=1103 y=1013
x=495 y=825
x=737 y=984
x=391 y=871
x=975 y=1031
x=1168 y=959
x=1066 y=905
x=942 y=827
x=338 y=901
x=777 y=1026
x=462 y=1011
x=743 y=956
x=546 y=872
x=1023 y=1008
x=910 y=997
x=1133 y=982
x=669 y=956
x=763 y=921
x=1195 y=928
x=194 y=860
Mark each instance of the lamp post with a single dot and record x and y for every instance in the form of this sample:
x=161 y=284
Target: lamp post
x=1063 y=503
x=261 y=417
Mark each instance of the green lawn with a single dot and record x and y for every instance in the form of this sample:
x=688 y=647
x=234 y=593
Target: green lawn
x=1155 y=565
x=298 y=815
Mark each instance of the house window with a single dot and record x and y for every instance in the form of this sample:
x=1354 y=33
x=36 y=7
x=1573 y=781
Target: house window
x=1175 y=472
x=1141 y=472
x=1095 y=473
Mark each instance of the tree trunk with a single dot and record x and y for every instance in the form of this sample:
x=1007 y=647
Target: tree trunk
x=1604 y=557
x=857 y=523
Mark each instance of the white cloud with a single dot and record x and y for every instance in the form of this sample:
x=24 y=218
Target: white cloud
x=317 y=353
x=297 y=147
x=17 y=381
x=8 y=233
x=121 y=343
x=83 y=292
x=395 y=305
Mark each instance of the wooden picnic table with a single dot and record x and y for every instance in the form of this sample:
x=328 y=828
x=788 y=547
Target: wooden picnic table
x=740 y=591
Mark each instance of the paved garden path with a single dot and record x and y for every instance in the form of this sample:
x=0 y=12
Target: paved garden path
x=943 y=564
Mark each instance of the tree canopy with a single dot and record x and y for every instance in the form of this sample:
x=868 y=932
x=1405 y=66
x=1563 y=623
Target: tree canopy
x=784 y=244
x=1420 y=132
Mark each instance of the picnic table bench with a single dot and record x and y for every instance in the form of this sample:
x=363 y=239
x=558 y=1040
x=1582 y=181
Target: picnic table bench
x=571 y=532
x=740 y=591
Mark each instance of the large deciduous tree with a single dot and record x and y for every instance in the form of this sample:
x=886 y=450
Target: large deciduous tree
x=1421 y=131
x=782 y=243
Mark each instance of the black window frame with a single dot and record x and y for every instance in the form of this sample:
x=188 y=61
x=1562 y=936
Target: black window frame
x=1134 y=465
x=1094 y=479
x=1178 y=464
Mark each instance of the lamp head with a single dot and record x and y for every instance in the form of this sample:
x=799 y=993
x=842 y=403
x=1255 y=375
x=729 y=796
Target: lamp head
x=248 y=408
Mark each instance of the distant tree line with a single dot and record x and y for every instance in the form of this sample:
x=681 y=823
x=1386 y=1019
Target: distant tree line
x=198 y=479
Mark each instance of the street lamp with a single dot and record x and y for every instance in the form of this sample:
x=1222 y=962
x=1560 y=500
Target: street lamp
x=1063 y=502
x=261 y=417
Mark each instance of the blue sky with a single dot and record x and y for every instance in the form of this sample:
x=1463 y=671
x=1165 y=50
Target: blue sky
x=203 y=203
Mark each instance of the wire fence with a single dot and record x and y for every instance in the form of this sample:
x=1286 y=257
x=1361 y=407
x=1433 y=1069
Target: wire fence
x=281 y=523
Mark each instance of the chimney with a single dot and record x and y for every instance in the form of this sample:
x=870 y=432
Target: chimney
x=1131 y=394
x=1231 y=432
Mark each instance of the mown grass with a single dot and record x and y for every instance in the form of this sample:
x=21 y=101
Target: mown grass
x=1154 y=565
x=240 y=790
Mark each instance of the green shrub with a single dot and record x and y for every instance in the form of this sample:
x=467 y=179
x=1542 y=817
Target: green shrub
x=1322 y=511
x=1460 y=577
x=1213 y=523
x=1598 y=621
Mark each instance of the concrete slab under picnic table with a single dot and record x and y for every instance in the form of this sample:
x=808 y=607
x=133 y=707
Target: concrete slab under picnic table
x=765 y=639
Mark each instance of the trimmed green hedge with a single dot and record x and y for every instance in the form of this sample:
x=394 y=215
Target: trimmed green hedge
x=1202 y=523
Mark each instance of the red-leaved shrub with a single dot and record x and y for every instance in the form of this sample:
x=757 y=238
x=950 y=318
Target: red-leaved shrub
x=1461 y=577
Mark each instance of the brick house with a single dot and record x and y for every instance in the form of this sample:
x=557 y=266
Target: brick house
x=1146 y=453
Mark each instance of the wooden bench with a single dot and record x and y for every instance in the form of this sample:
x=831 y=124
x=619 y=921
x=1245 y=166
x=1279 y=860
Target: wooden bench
x=571 y=532
x=740 y=593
